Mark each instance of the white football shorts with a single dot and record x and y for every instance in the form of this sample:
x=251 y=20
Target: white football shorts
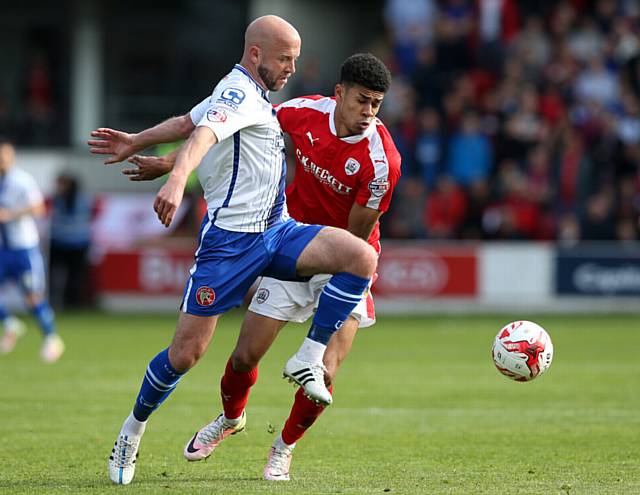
x=297 y=301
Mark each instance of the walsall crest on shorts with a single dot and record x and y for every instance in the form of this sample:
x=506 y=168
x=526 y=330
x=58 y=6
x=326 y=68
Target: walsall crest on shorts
x=205 y=296
x=351 y=166
x=262 y=295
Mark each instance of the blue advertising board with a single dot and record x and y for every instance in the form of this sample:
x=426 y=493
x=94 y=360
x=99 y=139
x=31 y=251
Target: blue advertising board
x=607 y=270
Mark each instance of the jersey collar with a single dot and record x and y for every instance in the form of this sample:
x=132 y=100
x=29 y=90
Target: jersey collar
x=265 y=94
x=356 y=138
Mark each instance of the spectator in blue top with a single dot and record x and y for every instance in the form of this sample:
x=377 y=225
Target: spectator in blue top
x=71 y=212
x=470 y=152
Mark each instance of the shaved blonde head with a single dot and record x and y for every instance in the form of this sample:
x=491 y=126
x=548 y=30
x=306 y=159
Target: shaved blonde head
x=269 y=29
x=271 y=48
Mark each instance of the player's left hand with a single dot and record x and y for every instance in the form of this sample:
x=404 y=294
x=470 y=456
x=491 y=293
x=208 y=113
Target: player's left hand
x=5 y=215
x=147 y=168
x=168 y=200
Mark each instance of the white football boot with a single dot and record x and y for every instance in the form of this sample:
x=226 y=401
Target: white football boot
x=13 y=330
x=52 y=348
x=310 y=376
x=279 y=461
x=209 y=437
x=122 y=462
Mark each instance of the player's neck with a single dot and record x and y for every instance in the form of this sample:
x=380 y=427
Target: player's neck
x=341 y=129
x=253 y=73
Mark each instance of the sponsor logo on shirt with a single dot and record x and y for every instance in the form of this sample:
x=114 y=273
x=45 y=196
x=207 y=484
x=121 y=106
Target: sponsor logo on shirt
x=234 y=95
x=214 y=115
x=205 y=296
x=322 y=174
x=311 y=138
x=351 y=166
x=379 y=187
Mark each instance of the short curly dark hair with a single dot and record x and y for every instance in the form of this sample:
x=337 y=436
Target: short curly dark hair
x=366 y=70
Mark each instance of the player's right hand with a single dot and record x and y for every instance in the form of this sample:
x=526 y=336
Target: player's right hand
x=147 y=167
x=168 y=200
x=118 y=144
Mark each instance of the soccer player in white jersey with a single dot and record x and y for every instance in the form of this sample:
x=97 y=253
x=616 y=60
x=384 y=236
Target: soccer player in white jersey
x=238 y=149
x=346 y=169
x=20 y=258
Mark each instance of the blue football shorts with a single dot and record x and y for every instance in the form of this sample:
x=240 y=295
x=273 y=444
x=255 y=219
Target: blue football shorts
x=228 y=263
x=25 y=267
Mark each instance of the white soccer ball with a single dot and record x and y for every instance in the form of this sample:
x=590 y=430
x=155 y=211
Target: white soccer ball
x=522 y=350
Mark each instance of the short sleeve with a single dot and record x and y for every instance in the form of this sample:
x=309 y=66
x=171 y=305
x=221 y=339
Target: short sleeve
x=231 y=107
x=199 y=111
x=377 y=185
x=30 y=191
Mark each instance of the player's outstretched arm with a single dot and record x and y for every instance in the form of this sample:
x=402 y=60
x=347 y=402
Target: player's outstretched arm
x=121 y=145
x=189 y=157
x=150 y=167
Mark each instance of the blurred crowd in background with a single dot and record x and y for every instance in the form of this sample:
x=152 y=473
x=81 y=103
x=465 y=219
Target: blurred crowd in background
x=515 y=119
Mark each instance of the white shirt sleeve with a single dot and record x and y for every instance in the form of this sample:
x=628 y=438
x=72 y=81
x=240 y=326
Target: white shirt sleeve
x=30 y=191
x=199 y=111
x=232 y=107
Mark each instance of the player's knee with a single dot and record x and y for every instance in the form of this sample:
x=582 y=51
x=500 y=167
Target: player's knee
x=183 y=358
x=243 y=360
x=33 y=299
x=366 y=259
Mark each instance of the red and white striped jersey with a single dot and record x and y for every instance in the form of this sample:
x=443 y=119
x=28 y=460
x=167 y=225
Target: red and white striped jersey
x=333 y=173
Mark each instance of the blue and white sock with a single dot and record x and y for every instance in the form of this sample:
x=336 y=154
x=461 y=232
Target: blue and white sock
x=339 y=297
x=3 y=314
x=159 y=381
x=44 y=315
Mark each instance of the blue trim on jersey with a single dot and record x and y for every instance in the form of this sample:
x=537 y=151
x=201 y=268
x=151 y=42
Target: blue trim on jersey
x=258 y=87
x=234 y=175
x=275 y=215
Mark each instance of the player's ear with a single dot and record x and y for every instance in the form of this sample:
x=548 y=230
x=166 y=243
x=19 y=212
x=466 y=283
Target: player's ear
x=254 y=54
x=338 y=91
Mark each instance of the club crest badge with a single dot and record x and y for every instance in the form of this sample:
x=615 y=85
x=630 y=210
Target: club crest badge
x=262 y=295
x=351 y=166
x=205 y=296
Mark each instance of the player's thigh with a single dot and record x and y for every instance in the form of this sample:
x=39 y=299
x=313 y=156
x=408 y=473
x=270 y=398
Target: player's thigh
x=335 y=250
x=227 y=264
x=285 y=300
x=339 y=346
x=257 y=333
x=191 y=339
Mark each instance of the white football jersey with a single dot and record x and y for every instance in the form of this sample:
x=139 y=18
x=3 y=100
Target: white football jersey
x=19 y=190
x=243 y=175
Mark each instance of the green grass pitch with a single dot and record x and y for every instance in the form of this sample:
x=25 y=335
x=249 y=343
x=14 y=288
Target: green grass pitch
x=419 y=408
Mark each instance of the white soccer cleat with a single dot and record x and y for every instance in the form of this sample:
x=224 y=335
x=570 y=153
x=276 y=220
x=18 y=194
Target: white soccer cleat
x=207 y=439
x=52 y=348
x=279 y=461
x=13 y=330
x=122 y=462
x=310 y=376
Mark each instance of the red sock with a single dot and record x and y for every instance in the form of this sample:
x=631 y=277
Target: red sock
x=303 y=414
x=234 y=388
